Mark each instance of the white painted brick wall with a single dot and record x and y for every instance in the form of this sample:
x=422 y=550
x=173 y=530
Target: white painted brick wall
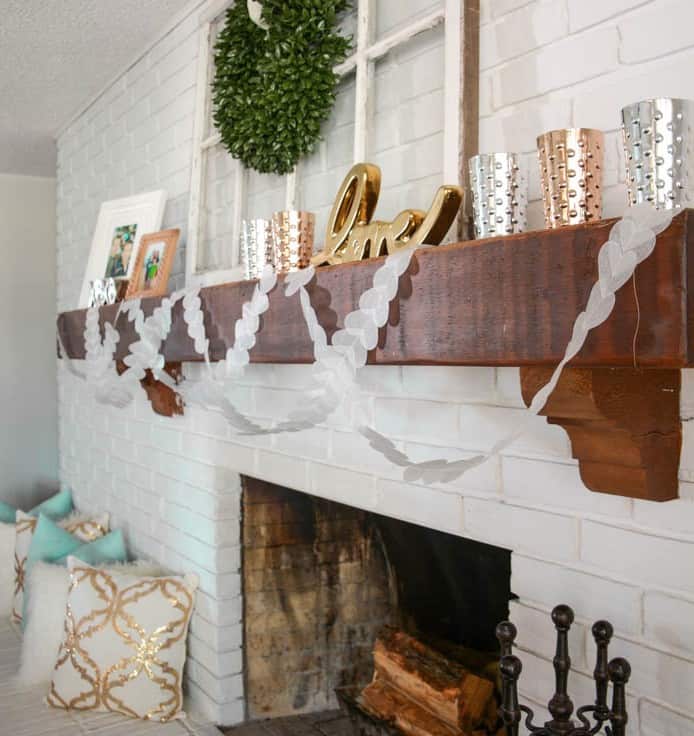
x=173 y=484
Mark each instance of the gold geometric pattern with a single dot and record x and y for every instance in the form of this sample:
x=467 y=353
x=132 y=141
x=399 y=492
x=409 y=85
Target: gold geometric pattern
x=124 y=642
x=24 y=529
x=86 y=529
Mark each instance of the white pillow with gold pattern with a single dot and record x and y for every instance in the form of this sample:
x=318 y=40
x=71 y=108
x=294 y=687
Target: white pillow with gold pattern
x=86 y=527
x=124 y=645
x=7 y=537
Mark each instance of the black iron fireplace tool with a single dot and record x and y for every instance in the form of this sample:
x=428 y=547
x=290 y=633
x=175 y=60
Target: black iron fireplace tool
x=561 y=706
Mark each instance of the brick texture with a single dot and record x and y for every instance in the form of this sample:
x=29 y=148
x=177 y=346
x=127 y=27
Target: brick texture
x=173 y=485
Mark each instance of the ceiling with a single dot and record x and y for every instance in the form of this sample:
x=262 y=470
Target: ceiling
x=55 y=55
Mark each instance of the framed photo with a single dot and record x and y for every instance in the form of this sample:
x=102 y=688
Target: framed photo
x=150 y=275
x=119 y=229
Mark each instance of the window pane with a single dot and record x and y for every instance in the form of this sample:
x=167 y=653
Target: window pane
x=392 y=15
x=321 y=173
x=406 y=134
x=266 y=194
x=216 y=247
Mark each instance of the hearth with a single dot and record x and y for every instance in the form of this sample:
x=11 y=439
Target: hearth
x=321 y=580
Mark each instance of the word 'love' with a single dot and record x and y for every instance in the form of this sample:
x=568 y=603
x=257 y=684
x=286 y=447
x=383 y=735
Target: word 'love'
x=352 y=235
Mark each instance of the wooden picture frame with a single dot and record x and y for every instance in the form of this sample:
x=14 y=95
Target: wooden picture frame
x=119 y=227
x=150 y=274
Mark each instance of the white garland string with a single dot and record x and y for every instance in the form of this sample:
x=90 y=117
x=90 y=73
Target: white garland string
x=336 y=365
x=631 y=241
x=144 y=354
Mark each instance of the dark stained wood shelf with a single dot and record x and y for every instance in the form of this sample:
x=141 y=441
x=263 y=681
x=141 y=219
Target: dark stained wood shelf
x=499 y=302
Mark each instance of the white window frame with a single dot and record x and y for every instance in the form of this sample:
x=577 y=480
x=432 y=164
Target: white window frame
x=363 y=62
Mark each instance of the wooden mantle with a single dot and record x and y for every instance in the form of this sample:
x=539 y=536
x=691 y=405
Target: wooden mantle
x=502 y=301
x=497 y=302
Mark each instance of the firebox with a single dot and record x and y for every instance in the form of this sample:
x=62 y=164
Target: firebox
x=322 y=579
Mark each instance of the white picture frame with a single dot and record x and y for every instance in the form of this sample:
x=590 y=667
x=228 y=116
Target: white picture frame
x=131 y=217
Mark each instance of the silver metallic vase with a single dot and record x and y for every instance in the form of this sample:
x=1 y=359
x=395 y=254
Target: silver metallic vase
x=499 y=194
x=257 y=249
x=658 y=141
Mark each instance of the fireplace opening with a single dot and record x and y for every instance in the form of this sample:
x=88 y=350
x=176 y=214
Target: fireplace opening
x=322 y=581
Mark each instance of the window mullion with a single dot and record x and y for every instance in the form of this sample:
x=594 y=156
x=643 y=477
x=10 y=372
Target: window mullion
x=240 y=186
x=452 y=167
x=364 y=79
x=199 y=155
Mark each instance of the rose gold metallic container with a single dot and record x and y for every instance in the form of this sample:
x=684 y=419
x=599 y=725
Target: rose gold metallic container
x=571 y=171
x=292 y=232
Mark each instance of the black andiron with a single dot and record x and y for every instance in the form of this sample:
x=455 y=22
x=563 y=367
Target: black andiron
x=561 y=706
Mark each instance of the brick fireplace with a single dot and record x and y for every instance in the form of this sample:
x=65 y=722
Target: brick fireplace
x=175 y=485
x=321 y=579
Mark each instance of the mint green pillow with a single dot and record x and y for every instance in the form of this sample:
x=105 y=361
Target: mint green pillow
x=51 y=543
x=56 y=507
x=109 y=548
x=7 y=513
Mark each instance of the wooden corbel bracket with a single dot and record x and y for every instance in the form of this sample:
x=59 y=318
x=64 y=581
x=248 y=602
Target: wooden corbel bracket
x=164 y=400
x=623 y=423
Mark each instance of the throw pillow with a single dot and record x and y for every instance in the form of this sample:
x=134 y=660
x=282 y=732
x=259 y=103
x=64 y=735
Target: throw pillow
x=7 y=513
x=56 y=506
x=45 y=619
x=7 y=536
x=10 y=570
x=51 y=543
x=84 y=527
x=124 y=646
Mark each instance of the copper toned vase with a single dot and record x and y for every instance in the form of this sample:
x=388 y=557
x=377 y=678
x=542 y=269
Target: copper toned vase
x=571 y=170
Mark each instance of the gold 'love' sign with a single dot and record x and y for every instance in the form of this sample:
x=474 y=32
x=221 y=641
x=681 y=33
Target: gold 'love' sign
x=352 y=235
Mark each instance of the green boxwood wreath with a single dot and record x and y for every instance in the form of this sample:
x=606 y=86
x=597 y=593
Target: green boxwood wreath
x=273 y=89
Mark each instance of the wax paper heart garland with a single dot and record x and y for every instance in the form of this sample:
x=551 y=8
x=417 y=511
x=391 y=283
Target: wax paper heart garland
x=336 y=364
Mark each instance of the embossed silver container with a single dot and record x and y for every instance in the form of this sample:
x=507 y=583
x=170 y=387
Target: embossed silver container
x=499 y=194
x=292 y=233
x=257 y=247
x=657 y=138
x=571 y=172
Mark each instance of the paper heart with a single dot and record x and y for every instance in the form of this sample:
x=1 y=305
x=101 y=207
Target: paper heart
x=259 y=304
x=615 y=267
x=598 y=308
x=191 y=300
x=193 y=316
x=351 y=347
x=245 y=341
x=360 y=324
x=238 y=357
x=399 y=262
x=649 y=218
x=384 y=278
x=296 y=280
x=318 y=335
x=371 y=299
x=268 y=279
x=376 y=305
